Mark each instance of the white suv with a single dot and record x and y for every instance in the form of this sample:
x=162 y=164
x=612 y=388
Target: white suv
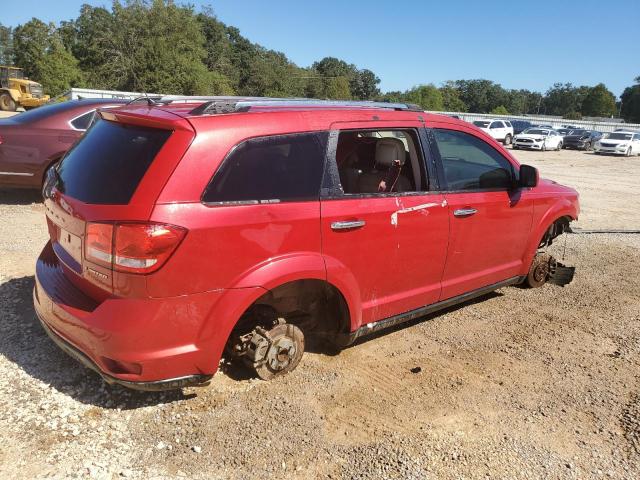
x=501 y=130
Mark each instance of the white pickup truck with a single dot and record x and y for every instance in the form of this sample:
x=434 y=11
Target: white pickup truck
x=501 y=130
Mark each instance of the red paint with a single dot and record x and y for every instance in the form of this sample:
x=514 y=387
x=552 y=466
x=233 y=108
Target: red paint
x=175 y=321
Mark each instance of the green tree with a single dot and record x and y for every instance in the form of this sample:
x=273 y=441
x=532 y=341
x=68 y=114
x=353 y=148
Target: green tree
x=364 y=85
x=599 y=102
x=59 y=69
x=630 y=98
x=30 y=42
x=481 y=96
x=427 y=96
x=40 y=51
x=451 y=101
x=500 y=110
x=6 y=45
x=337 y=88
x=89 y=39
x=561 y=99
x=218 y=47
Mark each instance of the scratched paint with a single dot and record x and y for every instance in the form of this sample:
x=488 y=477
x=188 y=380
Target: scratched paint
x=424 y=206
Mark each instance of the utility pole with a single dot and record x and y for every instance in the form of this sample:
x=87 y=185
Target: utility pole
x=620 y=109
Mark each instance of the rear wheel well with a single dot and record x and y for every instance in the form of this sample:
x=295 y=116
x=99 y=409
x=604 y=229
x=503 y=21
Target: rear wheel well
x=315 y=306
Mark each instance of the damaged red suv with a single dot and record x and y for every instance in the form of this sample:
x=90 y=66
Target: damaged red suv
x=184 y=232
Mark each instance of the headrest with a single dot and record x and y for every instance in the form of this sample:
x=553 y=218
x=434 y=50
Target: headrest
x=388 y=150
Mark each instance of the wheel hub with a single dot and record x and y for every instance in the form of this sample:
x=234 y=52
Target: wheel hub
x=280 y=353
x=275 y=351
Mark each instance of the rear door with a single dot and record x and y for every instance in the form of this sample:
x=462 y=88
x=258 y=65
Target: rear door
x=489 y=219
x=386 y=247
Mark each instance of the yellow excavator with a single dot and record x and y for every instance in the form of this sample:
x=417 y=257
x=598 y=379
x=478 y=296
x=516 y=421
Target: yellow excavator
x=18 y=91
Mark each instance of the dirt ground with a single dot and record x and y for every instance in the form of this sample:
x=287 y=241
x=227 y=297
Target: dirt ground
x=520 y=384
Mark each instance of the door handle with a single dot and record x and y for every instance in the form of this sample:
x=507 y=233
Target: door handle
x=347 y=225
x=464 y=212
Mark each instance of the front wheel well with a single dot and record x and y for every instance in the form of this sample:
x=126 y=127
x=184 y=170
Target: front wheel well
x=558 y=227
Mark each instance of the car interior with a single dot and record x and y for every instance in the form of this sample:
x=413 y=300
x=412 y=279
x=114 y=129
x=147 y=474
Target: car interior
x=379 y=161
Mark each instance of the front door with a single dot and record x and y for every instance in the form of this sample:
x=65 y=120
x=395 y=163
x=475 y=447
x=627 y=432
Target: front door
x=490 y=219
x=383 y=232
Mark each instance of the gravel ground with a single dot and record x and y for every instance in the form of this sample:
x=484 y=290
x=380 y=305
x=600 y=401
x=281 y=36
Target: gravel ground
x=519 y=384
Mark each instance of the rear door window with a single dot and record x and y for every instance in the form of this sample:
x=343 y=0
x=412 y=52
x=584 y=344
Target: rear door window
x=270 y=170
x=107 y=165
x=380 y=162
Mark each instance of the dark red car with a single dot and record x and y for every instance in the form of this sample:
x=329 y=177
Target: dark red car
x=186 y=233
x=32 y=141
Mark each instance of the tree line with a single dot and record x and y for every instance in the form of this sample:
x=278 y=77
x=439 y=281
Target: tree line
x=158 y=46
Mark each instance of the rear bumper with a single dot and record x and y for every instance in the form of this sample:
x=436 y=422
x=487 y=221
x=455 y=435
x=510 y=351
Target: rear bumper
x=157 y=385
x=141 y=343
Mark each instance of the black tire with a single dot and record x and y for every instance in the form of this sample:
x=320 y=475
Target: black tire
x=507 y=140
x=559 y=147
x=6 y=103
x=628 y=152
x=544 y=147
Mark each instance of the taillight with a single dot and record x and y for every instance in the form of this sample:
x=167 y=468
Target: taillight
x=99 y=243
x=132 y=247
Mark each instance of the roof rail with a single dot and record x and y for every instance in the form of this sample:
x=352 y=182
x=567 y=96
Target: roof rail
x=239 y=104
x=166 y=99
x=230 y=104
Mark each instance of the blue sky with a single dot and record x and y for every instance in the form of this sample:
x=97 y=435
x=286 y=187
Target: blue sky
x=520 y=44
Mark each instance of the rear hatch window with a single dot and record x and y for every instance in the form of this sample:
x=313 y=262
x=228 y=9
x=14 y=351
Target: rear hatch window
x=107 y=165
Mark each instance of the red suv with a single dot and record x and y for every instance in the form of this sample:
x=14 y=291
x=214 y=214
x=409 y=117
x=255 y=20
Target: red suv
x=183 y=233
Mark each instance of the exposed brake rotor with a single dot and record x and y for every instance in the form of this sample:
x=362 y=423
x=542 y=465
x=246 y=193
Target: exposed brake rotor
x=276 y=351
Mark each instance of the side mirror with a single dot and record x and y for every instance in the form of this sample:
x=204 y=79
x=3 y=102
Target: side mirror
x=528 y=176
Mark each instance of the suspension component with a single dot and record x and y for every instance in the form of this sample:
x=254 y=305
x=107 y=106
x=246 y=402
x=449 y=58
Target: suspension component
x=274 y=352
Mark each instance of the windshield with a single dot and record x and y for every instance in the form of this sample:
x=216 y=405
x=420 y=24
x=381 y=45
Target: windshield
x=536 y=131
x=16 y=73
x=580 y=132
x=564 y=131
x=619 y=136
x=481 y=123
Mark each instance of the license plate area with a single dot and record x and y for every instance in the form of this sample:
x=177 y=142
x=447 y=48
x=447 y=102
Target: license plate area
x=72 y=244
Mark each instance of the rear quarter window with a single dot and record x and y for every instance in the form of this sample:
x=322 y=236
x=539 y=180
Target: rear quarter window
x=108 y=163
x=270 y=170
